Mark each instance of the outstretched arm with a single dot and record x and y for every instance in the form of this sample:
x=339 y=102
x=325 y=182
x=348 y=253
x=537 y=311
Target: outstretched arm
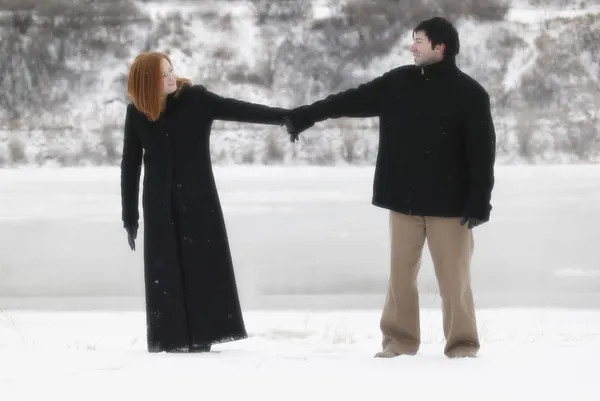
x=229 y=109
x=366 y=100
x=480 y=150
x=131 y=165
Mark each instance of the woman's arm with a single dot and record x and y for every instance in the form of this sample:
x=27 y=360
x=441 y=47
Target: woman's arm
x=229 y=109
x=131 y=165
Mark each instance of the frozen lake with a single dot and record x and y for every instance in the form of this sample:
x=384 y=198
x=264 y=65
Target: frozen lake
x=300 y=237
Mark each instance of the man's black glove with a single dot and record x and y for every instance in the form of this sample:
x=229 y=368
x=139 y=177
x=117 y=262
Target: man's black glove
x=297 y=121
x=131 y=236
x=291 y=130
x=473 y=222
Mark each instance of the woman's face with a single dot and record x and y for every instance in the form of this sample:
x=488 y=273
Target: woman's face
x=168 y=78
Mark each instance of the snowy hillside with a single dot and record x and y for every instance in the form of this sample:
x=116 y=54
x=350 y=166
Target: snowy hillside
x=540 y=62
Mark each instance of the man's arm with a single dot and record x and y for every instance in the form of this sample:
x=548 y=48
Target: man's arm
x=366 y=100
x=481 y=154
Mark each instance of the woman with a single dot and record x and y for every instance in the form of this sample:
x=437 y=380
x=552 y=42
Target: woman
x=191 y=294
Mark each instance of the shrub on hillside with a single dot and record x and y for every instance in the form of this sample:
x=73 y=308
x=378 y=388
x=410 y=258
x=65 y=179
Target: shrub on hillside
x=40 y=38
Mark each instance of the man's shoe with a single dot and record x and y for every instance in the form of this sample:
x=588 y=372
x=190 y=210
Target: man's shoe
x=462 y=352
x=388 y=353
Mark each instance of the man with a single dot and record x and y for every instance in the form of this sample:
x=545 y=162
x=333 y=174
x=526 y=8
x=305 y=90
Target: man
x=434 y=172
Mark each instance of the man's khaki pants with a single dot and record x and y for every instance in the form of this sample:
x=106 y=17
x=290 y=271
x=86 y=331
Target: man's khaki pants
x=451 y=247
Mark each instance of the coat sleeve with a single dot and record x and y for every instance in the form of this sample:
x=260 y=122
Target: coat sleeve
x=366 y=100
x=228 y=109
x=131 y=165
x=480 y=143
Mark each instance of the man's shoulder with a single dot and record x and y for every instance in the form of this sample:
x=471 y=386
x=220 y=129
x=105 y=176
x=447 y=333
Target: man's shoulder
x=402 y=71
x=471 y=86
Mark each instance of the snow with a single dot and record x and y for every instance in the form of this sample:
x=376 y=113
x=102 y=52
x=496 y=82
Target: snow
x=311 y=257
x=524 y=59
x=530 y=23
x=535 y=15
x=577 y=273
x=322 y=9
x=299 y=355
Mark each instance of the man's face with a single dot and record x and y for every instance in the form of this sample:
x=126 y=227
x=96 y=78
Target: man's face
x=422 y=52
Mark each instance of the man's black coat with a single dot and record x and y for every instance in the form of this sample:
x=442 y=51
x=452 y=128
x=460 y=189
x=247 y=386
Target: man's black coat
x=436 y=138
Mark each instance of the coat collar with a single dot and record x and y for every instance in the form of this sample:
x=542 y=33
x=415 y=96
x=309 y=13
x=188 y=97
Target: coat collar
x=440 y=68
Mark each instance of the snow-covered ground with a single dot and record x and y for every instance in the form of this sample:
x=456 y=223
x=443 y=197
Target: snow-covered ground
x=311 y=256
x=299 y=355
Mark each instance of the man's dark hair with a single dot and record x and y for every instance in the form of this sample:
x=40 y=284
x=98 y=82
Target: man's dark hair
x=439 y=30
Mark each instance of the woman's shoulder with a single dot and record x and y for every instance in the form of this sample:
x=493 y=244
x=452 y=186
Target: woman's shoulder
x=193 y=90
x=199 y=94
x=132 y=110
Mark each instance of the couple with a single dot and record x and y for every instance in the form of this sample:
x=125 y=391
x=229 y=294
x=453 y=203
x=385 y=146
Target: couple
x=434 y=173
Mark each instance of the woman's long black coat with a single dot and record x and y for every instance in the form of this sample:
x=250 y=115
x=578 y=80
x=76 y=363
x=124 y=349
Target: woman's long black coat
x=191 y=294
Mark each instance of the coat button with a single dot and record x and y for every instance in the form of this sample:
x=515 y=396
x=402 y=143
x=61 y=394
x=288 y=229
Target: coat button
x=178 y=185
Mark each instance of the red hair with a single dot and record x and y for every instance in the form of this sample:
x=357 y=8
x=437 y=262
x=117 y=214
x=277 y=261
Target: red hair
x=144 y=84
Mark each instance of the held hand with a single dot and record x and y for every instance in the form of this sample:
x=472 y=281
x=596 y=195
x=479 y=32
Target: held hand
x=290 y=129
x=131 y=237
x=473 y=222
x=296 y=122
